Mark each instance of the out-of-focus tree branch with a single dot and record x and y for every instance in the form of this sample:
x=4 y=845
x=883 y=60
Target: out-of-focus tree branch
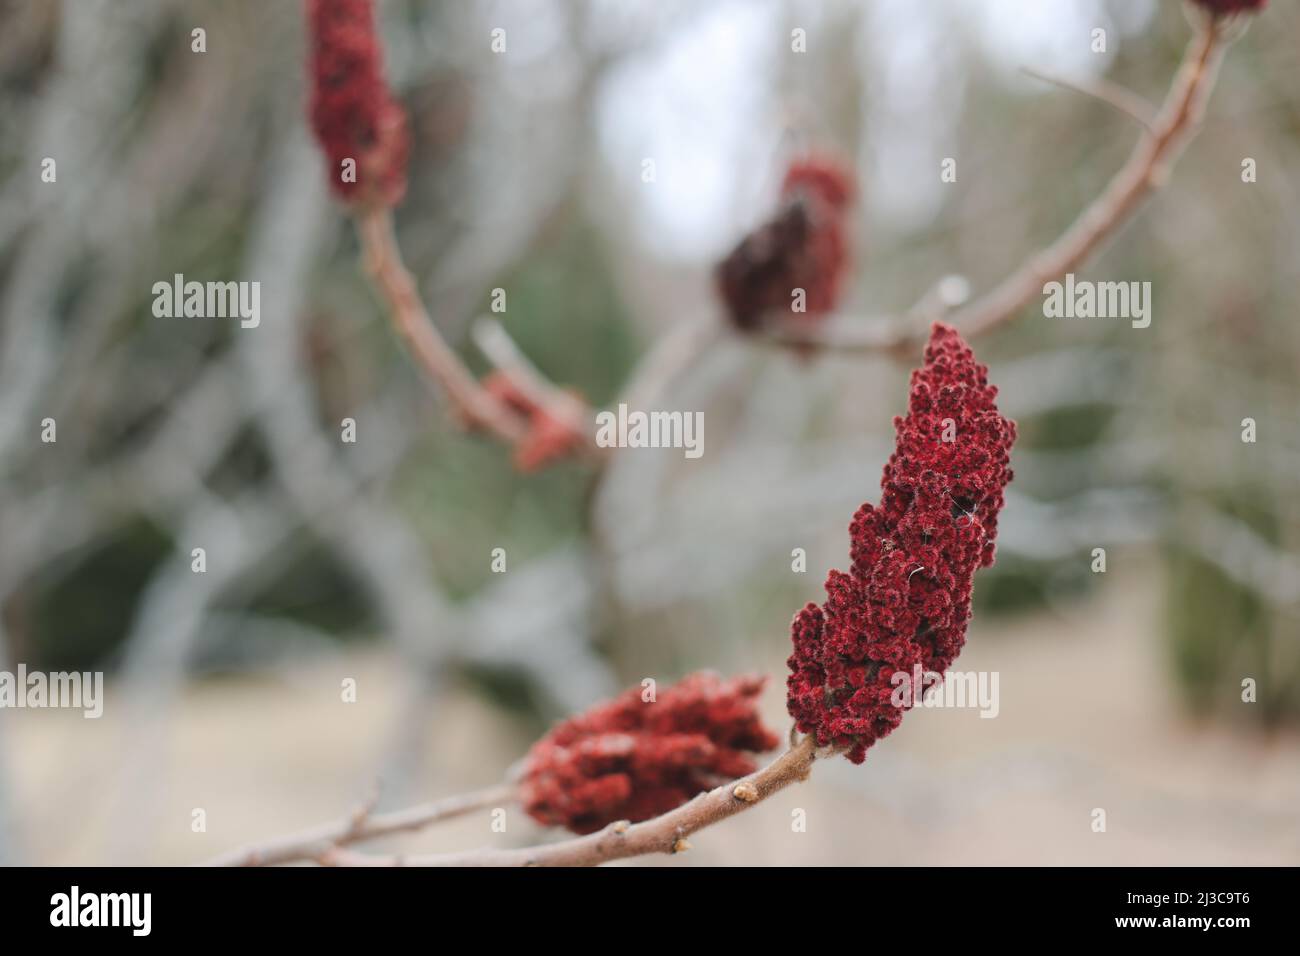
x=1146 y=170
x=667 y=833
x=364 y=824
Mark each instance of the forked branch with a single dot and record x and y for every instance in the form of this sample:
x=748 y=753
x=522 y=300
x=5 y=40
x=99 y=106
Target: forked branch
x=1146 y=170
x=383 y=260
x=364 y=824
x=667 y=833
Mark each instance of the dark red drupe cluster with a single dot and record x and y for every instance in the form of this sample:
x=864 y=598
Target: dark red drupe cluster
x=906 y=598
x=633 y=759
x=804 y=246
x=353 y=113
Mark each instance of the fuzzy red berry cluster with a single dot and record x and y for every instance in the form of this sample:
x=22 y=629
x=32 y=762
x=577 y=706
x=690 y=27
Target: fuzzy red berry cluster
x=804 y=246
x=353 y=113
x=633 y=759
x=906 y=598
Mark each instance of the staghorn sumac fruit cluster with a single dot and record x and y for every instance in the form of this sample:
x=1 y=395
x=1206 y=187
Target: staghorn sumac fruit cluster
x=804 y=249
x=905 y=600
x=633 y=759
x=353 y=113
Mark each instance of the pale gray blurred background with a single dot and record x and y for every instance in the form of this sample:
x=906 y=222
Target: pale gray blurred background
x=327 y=561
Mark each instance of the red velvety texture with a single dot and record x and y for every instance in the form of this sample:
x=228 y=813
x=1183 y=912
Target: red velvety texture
x=804 y=246
x=353 y=113
x=906 y=597
x=629 y=759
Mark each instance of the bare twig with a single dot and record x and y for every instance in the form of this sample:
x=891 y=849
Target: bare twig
x=885 y=336
x=661 y=366
x=383 y=258
x=1132 y=105
x=1165 y=135
x=500 y=349
x=363 y=824
x=663 y=834
x=1145 y=171
x=475 y=404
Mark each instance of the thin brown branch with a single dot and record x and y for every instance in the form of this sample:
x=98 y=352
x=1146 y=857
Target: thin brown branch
x=663 y=834
x=361 y=825
x=474 y=404
x=1135 y=107
x=670 y=355
x=1165 y=136
x=1146 y=170
x=655 y=372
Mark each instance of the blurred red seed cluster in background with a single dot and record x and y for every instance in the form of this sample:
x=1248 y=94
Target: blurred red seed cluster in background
x=804 y=246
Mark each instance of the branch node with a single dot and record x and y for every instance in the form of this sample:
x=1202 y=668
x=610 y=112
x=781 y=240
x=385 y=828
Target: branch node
x=360 y=816
x=745 y=792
